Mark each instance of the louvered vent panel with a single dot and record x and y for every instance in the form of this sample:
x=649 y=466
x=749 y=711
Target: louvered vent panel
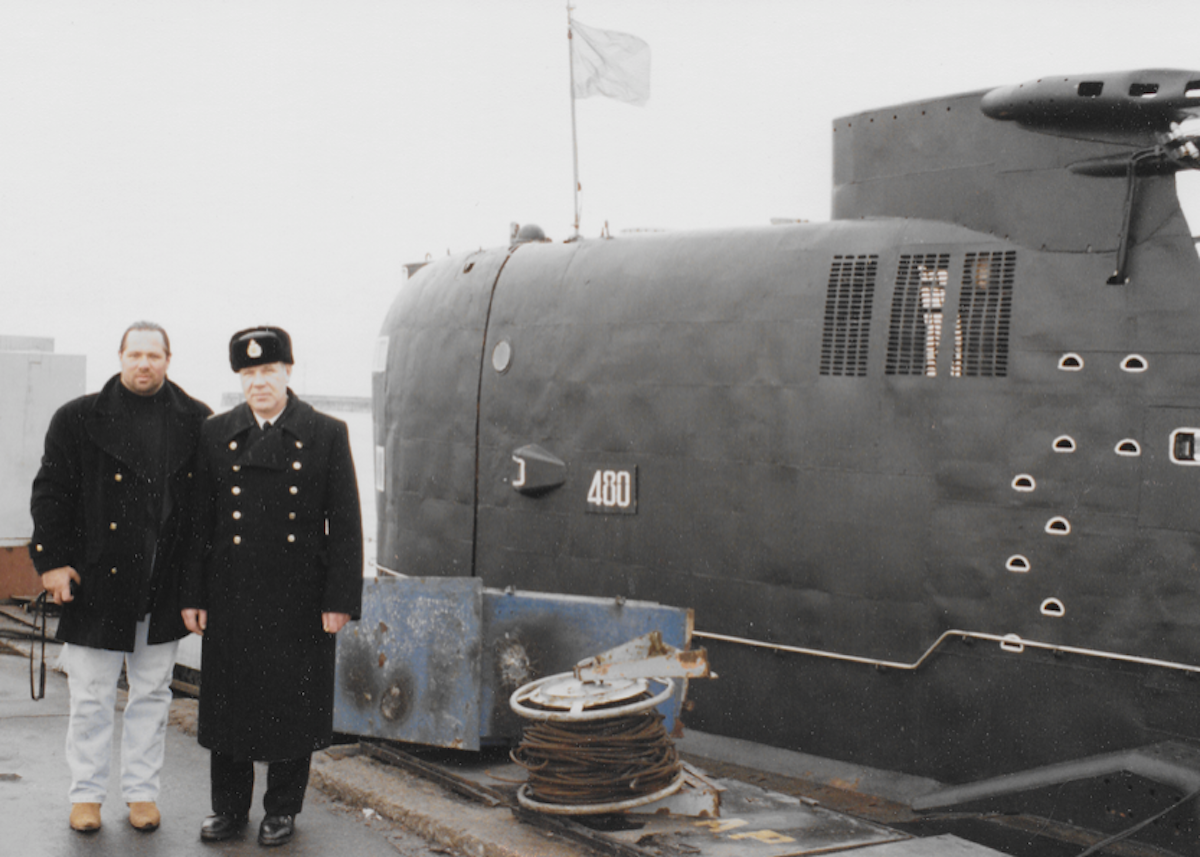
x=984 y=315
x=915 y=329
x=848 y=303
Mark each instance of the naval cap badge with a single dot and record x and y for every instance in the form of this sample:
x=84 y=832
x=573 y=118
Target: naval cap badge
x=254 y=350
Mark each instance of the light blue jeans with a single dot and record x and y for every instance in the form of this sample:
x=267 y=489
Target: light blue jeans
x=92 y=676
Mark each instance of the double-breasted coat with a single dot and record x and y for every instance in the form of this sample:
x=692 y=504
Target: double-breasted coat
x=89 y=502
x=278 y=542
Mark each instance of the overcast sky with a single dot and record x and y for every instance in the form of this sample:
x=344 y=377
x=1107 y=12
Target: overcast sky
x=215 y=165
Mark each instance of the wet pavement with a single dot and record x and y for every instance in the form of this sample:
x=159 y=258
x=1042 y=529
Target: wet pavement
x=34 y=781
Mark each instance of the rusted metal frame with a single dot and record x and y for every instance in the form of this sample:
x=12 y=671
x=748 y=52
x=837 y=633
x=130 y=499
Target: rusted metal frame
x=1009 y=642
x=400 y=759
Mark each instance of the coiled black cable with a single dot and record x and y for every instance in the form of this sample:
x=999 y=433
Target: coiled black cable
x=597 y=761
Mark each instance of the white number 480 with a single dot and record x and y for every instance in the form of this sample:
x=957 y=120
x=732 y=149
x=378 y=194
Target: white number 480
x=611 y=488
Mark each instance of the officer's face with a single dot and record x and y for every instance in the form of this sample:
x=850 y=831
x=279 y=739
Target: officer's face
x=265 y=387
x=144 y=362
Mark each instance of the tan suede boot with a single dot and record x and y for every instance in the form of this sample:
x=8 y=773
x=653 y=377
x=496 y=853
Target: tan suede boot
x=144 y=815
x=85 y=817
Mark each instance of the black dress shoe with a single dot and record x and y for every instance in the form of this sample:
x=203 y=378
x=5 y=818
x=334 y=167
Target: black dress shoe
x=276 y=829
x=217 y=828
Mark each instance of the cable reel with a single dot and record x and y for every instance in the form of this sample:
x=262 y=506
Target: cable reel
x=595 y=746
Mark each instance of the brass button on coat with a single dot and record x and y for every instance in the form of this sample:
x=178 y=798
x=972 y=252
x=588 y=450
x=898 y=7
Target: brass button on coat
x=237 y=540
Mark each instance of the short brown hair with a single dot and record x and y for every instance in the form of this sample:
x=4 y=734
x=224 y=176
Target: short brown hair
x=146 y=325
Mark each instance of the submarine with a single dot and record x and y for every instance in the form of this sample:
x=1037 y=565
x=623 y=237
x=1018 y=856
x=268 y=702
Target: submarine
x=927 y=473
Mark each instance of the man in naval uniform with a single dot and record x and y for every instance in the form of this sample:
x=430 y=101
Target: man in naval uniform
x=275 y=572
x=111 y=508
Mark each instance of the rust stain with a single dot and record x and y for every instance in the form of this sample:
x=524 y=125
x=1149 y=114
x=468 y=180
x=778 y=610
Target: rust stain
x=382 y=659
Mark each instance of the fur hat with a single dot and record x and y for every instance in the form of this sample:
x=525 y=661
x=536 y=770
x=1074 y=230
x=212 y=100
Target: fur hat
x=258 y=345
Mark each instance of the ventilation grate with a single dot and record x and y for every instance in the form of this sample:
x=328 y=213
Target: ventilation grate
x=984 y=311
x=848 y=304
x=915 y=330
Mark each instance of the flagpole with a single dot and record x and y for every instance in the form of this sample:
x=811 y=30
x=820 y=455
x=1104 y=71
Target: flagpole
x=574 y=141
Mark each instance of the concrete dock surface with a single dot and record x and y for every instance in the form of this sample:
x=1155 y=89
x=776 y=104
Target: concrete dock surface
x=358 y=805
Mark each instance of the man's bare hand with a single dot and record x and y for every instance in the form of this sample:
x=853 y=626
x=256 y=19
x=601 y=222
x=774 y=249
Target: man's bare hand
x=334 y=622
x=196 y=620
x=57 y=582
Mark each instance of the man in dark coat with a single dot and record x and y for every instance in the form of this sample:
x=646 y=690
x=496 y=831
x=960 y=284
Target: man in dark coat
x=276 y=572
x=111 y=504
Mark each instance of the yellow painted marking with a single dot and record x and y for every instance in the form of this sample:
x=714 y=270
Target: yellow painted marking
x=768 y=836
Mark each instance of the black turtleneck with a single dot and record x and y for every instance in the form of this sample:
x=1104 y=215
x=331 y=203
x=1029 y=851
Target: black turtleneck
x=148 y=424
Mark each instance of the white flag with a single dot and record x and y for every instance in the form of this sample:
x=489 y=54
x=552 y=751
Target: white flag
x=606 y=62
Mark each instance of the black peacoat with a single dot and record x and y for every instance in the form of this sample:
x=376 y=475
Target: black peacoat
x=278 y=542
x=89 y=498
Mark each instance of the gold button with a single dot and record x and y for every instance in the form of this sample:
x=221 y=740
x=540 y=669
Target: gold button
x=40 y=548
x=237 y=540
x=291 y=517
x=237 y=468
x=114 y=571
x=233 y=444
x=117 y=477
x=295 y=465
x=299 y=445
x=237 y=516
x=236 y=490
x=294 y=490
x=291 y=538
x=113 y=525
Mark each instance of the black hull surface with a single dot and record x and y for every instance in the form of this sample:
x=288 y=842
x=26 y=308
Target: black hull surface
x=925 y=473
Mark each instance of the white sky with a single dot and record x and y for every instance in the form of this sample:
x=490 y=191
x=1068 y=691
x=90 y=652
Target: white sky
x=213 y=165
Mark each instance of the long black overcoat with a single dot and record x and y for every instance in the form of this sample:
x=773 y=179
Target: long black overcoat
x=89 y=498
x=278 y=542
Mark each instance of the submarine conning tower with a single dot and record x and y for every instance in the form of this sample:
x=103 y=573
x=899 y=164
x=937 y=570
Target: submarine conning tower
x=1071 y=164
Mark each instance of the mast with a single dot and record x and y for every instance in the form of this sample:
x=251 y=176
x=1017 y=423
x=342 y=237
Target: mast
x=574 y=141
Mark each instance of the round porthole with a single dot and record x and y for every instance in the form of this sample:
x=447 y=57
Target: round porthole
x=502 y=356
x=1128 y=447
x=1053 y=607
x=1058 y=526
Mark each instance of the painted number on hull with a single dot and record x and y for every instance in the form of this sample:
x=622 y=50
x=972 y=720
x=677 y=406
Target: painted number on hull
x=613 y=491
